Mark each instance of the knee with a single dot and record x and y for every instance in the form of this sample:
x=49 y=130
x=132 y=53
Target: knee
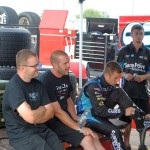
x=96 y=136
x=87 y=141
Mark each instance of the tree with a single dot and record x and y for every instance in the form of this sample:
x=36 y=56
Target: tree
x=94 y=14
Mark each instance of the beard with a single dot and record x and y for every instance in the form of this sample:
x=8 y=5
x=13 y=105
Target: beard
x=63 y=71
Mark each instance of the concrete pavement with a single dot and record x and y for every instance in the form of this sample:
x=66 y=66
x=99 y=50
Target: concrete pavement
x=134 y=139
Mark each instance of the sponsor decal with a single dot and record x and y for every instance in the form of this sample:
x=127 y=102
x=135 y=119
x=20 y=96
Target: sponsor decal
x=115 y=143
x=100 y=98
x=97 y=89
x=101 y=103
x=135 y=67
x=114 y=111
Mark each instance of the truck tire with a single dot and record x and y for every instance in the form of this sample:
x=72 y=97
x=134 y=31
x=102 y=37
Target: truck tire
x=73 y=81
x=11 y=17
x=31 y=20
x=6 y=73
x=13 y=40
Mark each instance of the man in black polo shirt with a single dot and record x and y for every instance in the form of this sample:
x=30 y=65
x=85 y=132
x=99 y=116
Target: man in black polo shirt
x=135 y=61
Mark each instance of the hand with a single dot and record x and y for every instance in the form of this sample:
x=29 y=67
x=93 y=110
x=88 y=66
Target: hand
x=147 y=116
x=129 y=111
x=129 y=77
x=76 y=118
x=139 y=78
x=88 y=131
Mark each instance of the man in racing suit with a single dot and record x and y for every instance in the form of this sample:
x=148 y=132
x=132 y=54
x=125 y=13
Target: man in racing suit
x=100 y=96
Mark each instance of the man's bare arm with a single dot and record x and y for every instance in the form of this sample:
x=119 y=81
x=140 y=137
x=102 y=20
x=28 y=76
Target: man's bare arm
x=39 y=115
x=71 y=109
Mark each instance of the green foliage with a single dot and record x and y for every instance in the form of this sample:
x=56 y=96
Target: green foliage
x=94 y=14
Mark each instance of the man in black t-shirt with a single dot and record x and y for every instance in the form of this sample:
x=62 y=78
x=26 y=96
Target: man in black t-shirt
x=135 y=61
x=26 y=106
x=64 y=124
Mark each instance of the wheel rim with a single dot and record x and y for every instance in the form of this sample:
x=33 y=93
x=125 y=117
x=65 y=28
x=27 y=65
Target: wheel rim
x=24 y=21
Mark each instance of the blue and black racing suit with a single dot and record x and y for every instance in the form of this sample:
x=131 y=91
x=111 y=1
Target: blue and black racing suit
x=101 y=98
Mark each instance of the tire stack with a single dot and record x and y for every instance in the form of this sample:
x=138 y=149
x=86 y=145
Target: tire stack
x=31 y=21
x=12 y=39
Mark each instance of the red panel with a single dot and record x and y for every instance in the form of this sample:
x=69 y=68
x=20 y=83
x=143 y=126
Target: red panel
x=53 y=19
x=48 y=45
x=74 y=67
x=53 y=34
x=124 y=20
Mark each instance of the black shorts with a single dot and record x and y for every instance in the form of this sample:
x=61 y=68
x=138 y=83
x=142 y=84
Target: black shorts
x=44 y=139
x=67 y=134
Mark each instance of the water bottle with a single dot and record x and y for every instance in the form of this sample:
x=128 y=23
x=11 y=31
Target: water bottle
x=83 y=117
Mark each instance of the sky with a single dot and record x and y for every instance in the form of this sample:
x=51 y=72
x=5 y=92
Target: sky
x=114 y=8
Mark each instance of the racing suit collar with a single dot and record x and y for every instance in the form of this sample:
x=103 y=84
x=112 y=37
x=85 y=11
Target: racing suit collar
x=103 y=81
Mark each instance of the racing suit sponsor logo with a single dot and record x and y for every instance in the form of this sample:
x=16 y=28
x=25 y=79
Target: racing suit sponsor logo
x=113 y=111
x=97 y=89
x=135 y=66
x=100 y=98
x=101 y=103
x=115 y=143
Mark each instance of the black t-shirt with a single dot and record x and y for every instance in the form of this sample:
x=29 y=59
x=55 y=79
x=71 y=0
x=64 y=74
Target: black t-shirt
x=133 y=62
x=17 y=91
x=58 y=89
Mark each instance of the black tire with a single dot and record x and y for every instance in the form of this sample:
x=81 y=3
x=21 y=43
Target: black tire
x=11 y=15
x=6 y=73
x=31 y=20
x=12 y=40
x=73 y=81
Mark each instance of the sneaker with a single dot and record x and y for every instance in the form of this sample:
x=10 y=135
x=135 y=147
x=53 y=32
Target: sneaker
x=145 y=147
